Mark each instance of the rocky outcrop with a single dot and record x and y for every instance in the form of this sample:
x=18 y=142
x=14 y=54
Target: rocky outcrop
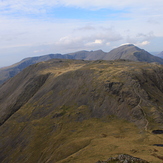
x=124 y=158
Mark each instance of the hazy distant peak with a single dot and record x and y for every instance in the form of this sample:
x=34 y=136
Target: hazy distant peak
x=98 y=50
x=128 y=44
x=160 y=54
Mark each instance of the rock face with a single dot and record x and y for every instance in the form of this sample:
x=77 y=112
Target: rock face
x=124 y=158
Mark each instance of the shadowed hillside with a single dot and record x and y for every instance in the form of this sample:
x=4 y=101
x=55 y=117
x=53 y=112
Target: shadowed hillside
x=82 y=111
x=9 y=72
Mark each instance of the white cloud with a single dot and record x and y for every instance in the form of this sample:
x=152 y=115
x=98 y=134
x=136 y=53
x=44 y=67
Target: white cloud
x=70 y=42
x=84 y=40
x=37 y=6
x=136 y=21
x=108 y=44
x=96 y=42
x=98 y=3
x=125 y=44
x=144 y=43
x=147 y=36
x=140 y=39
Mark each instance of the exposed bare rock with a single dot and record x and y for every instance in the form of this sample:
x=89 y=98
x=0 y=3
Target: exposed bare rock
x=124 y=158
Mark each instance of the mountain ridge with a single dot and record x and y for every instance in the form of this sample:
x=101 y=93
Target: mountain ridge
x=128 y=52
x=81 y=111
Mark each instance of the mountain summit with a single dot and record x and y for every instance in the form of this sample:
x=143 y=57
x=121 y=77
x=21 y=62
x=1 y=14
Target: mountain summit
x=132 y=52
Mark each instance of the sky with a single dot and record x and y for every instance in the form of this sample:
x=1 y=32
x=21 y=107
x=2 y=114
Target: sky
x=37 y=27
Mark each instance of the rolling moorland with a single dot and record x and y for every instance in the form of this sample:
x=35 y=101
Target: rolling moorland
x=128 y=52
x=80 y=111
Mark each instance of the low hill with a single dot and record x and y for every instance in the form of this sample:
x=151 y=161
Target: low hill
x=82 y=111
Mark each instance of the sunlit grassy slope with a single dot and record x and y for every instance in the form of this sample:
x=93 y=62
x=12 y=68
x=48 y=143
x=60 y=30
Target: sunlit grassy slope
x=64 y=111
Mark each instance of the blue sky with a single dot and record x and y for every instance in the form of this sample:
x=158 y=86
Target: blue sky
x=38 y=27
x=102 y=14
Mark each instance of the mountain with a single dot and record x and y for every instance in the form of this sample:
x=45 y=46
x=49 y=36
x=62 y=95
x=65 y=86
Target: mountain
x=88 y=55
x=131 y=52
x=81 y=111
x=9 y=72
x=128 y=52
x=160 y=55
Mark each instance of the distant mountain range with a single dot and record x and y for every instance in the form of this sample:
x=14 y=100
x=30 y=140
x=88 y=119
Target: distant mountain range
x=127 y=52
x=160 y=55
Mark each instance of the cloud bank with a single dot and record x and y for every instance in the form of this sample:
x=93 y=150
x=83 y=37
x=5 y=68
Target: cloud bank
x=37 y=27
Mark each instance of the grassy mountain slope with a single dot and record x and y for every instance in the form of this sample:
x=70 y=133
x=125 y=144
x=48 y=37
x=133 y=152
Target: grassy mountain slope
x=81 y=111
x=128 y=52
x=10 y=71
